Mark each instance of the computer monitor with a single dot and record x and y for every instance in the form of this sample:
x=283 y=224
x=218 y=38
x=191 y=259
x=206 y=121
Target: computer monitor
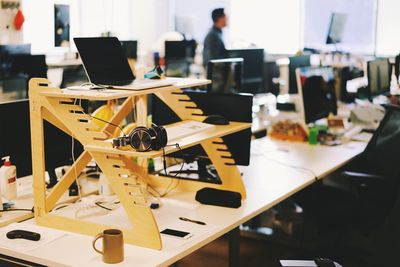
x=253 y=68
x=7 y=52
x=180 y=50
x=20 y=49
x=317 y=91
x=34 y=66
x=294 y=63
x=179 y=55
x=130 y=48
x=234 y=107
x=378 y=72
x=226 y=75
x=336 y=28
x=15 y=139
x=397 y=68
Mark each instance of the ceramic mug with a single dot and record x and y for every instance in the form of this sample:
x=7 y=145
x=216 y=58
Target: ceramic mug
x=113 y=245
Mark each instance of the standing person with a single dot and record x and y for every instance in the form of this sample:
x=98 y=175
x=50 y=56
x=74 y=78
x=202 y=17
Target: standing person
x=214 y=46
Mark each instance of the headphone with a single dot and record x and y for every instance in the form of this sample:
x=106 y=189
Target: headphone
x=143 y=139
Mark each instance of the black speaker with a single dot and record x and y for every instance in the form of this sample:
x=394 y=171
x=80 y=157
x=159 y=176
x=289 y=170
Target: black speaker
x=216 y=197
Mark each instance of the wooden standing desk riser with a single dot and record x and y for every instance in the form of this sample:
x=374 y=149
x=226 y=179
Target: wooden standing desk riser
x=126 y=177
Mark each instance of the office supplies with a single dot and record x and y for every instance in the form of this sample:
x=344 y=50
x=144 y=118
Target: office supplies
x=217 y=197
x=113 y=245
x=253 y=68
x=226 y=75
x=24 y=235
x=176 y=233
x=111 y=68
x=378 y=72
x=193 y=221
x=216 y=120
x=317 y=93
x=294 y=63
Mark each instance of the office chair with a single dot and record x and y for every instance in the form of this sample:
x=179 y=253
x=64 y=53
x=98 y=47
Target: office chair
x=361 y=197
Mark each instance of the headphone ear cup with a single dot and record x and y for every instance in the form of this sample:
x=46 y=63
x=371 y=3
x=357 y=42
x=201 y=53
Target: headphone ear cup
x=156 y=144
x=141 y=139
x=163 y=136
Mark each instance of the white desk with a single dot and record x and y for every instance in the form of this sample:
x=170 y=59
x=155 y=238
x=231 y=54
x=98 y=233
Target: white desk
x=25 y=199
x=268 y=181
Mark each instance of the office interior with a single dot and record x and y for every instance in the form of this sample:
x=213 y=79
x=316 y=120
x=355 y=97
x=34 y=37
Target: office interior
x=199 y=133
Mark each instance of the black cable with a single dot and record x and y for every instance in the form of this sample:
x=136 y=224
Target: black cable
x=31 y=210
x=101 y=206
x=112 y=124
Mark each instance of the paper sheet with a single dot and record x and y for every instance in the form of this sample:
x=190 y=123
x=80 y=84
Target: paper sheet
x=47 y=236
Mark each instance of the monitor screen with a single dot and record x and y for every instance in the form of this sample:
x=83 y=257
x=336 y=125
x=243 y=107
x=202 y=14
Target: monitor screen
x=253 y=68
x=317 y=90
x=294 y=63
x=104 y=60
x=378 y=72
x=15 y=139
x=234 y=107
x=226 y=75
x=336 y=28
x=180 y=50
x=130 y=48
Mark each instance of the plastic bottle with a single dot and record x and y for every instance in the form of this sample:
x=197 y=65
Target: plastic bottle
x=8 y=179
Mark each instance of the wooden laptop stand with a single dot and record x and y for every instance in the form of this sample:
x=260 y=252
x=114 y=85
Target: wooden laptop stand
x=125 y=175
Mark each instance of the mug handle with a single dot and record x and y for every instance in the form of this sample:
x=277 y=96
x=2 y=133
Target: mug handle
x=98 y=236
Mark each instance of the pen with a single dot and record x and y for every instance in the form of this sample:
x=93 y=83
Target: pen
x=193 y=221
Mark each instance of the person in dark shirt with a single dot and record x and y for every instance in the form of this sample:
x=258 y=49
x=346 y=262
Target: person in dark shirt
x=214 y=46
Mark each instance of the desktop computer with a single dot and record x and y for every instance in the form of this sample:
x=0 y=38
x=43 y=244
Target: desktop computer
x=226 y=75
x=294 y=63
x=253 y=68
x=379 y=74
x=317 y=93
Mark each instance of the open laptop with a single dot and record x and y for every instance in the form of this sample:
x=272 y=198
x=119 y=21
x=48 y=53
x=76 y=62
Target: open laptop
x=106 y=65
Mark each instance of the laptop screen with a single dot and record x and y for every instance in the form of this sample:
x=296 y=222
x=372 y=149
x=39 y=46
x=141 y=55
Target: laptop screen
x=104 y=60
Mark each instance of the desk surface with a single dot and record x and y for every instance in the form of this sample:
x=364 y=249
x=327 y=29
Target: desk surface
x=277 y=170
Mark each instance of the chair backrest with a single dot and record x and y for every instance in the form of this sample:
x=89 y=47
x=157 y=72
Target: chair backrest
x=383 y=150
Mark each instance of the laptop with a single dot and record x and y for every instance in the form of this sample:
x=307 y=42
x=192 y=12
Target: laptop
x=106 y=65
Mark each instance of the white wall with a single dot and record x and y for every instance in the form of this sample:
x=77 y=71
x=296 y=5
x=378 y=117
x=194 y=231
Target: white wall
x=359 y=33
x=39 y=24
x=388 y=37
x=9 y=35
x=199 y=12
x=274 y=25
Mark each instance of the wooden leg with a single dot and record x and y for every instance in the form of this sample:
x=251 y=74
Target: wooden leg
x=234 y=247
